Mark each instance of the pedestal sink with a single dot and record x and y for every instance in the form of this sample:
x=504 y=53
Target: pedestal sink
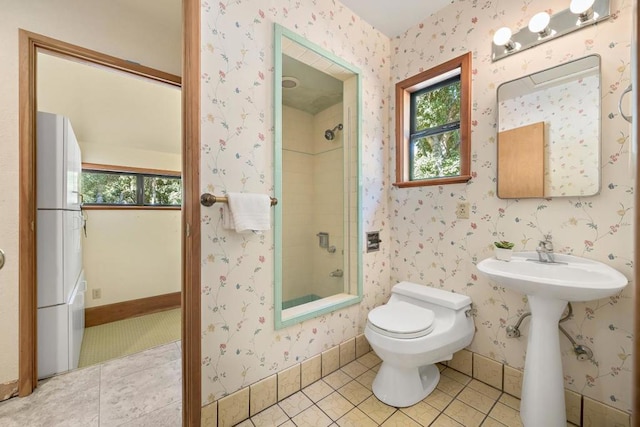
x=549 y=286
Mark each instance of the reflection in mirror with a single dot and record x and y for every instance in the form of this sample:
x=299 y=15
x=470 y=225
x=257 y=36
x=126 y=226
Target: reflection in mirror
x=549 y=132
x=317 y=267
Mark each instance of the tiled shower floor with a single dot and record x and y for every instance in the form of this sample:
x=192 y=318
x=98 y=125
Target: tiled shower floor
x=344 y=398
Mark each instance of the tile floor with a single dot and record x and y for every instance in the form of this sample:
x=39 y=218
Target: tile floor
x=140 y=390
x=144 y=390
x=344 y=398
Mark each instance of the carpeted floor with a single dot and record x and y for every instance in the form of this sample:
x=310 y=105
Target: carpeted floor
x=124 y=337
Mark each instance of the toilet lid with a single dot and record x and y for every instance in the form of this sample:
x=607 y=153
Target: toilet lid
x=402 y=320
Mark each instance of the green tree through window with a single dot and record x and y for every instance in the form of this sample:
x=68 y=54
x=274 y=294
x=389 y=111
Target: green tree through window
x=433 y=125
x=435 y=131
x=135 y=189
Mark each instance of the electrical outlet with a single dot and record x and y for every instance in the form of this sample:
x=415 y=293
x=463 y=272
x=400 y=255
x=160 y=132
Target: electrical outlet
x=96 y=293
x=462 y=210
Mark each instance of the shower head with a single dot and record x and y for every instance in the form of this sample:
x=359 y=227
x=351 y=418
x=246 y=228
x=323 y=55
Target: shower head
x=329 y=134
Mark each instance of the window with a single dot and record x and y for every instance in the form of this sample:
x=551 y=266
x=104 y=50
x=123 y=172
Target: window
x=433 y=111
x=130 y=187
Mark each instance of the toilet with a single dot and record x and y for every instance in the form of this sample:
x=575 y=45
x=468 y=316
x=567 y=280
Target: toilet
x=417 y=328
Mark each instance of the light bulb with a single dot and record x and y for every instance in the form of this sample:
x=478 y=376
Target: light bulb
x=580 y=6
x=584 y=10
x=539 y=23
x=502 y=36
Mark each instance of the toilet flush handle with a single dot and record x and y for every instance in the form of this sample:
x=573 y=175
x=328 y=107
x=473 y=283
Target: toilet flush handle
x=471 y=312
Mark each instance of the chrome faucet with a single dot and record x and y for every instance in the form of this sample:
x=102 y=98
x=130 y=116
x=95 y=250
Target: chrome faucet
x=545 y=249
x=337 y=273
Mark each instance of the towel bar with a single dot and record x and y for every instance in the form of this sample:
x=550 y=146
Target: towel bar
x=208 y=199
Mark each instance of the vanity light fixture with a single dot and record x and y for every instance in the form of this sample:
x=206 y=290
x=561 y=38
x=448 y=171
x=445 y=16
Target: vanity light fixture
x=544 y=27
x=502 y=37
x=539 y=23
x=584 y=10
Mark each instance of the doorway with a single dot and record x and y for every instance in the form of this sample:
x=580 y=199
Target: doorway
x=124 y=131
x=30 y=43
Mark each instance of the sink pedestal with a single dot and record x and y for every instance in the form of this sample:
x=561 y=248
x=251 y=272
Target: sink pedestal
x=549 y=286
x=543 y=385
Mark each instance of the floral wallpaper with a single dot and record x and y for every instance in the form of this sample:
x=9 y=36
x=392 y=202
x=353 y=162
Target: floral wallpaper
x=571 y=144
x=431 y=246
x=239 y=343
x=423 y=241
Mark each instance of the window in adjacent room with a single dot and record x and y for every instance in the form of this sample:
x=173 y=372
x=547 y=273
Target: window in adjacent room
x=433 y=115
x=111 y=186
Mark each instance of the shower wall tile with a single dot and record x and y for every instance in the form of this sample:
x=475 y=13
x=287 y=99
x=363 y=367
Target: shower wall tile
x=297 y=130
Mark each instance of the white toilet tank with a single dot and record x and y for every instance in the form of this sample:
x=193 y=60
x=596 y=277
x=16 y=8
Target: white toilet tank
x=407 y=291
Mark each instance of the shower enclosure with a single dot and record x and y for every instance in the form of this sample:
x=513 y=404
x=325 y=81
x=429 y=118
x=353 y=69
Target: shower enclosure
x=318 y=221
x=314 y=180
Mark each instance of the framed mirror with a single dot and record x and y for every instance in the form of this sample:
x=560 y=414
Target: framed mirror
x=318 y=224
x=549 y=132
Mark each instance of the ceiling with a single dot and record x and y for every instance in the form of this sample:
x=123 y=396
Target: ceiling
x=315 y=92
x=394 y=17
x=109 y=107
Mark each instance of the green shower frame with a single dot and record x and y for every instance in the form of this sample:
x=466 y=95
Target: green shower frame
x=279 y=32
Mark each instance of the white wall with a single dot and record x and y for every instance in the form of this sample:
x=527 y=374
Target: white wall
x=100 y=153
x=99 y=25
x=131 y=254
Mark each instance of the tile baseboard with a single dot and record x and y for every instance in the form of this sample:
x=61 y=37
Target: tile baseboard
x=481 y=368
x=503 y=377
x=293 y=378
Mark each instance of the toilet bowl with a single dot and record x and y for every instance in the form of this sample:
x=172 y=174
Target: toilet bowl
x=417 y=328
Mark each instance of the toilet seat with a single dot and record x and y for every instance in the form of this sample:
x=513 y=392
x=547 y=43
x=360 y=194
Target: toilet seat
x=401 y=320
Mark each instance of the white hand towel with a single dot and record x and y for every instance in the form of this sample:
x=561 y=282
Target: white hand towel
x=228 y=222
x=251 y=212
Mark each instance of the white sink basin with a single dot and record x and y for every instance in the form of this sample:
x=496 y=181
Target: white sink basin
x=572 y=278
x=548 y=288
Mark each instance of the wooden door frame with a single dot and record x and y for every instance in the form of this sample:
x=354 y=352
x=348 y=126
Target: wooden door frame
x=635 y=129
x=29 y=43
